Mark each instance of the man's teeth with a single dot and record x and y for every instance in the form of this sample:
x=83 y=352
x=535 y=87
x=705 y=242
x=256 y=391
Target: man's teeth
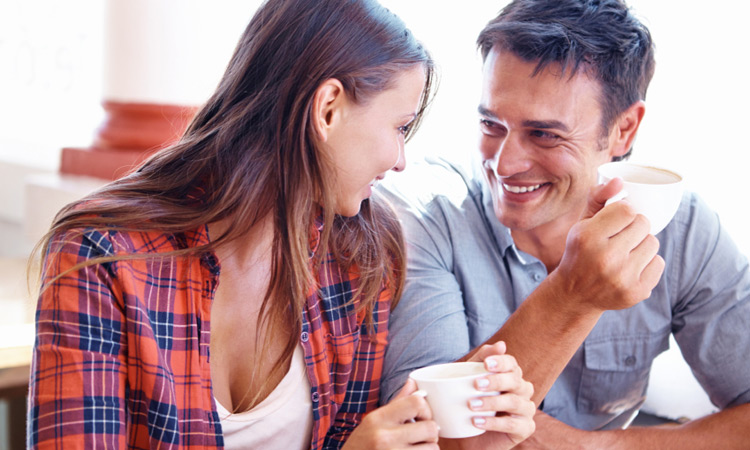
x=521 y=189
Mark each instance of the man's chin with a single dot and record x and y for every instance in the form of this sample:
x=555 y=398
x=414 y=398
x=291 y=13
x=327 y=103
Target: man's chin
x=517 y=221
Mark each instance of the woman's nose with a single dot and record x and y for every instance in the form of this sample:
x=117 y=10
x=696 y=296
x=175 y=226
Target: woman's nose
x=401 y=162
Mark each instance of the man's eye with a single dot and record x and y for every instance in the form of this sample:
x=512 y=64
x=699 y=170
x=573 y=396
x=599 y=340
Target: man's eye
x=404 y=129
x=541 y=134
x=491 y=128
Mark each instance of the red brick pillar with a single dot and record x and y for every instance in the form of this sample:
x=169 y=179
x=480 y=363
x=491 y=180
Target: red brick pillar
x=158 y=67
x=130 y=133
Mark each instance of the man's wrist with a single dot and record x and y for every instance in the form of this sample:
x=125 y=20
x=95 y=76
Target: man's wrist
x=567 y=303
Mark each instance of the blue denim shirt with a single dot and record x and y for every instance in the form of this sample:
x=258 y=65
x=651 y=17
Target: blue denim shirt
x=466 y=277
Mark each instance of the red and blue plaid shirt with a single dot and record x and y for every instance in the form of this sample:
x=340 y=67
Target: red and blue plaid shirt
x=121 y=358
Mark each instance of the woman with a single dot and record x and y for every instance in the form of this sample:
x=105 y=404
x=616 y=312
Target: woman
x=252 y=240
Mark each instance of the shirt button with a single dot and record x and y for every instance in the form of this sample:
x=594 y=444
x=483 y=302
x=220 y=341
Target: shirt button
x=538 y=277
x=304 y=337
x=315 y=397
x=630 y=361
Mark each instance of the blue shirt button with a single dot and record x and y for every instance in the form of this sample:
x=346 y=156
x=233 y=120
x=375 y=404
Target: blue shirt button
x=304 y=337
x=630 y=361
x=315 y=397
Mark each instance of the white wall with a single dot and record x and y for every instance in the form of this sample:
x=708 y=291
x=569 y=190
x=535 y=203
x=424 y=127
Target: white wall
x=51 y=83
x=698 y=102
x=54 y=76
x=52 y=80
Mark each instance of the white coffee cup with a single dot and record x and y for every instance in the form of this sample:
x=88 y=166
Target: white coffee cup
x=449 y=388
x=652 y=191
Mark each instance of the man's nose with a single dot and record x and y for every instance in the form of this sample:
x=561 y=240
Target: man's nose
x=511 y=158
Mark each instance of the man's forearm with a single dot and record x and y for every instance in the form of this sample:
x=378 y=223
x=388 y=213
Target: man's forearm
x=728 y=429
x=544 y=333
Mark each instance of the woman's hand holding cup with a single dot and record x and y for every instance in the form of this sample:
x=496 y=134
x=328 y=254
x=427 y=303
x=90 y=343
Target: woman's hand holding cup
x=406 y=421
x=487 y=393
x=514 y=411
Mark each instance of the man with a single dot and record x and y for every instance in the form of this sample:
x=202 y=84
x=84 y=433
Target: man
x=526 y=243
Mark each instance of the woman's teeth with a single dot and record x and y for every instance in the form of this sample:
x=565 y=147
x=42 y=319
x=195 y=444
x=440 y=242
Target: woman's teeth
x=521 y=189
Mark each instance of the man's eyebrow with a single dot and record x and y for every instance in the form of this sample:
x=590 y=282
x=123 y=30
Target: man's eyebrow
x=486 y=112
x=545 y=124
x=540 y=124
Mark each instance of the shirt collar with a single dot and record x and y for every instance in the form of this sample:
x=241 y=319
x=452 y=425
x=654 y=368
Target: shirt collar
x=499 y=231
x=315 y=230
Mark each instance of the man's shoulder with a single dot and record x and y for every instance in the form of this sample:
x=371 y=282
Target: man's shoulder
x=694 y=218
x=431 y=180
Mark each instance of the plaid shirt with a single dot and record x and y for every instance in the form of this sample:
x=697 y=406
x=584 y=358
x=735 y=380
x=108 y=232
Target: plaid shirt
x=121 y=358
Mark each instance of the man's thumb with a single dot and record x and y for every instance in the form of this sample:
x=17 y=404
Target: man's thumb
x=599 y=196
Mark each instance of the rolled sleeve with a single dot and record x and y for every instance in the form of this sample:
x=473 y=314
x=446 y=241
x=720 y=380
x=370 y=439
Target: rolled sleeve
x=711 y=319
x=429 y=324
x=78 y=379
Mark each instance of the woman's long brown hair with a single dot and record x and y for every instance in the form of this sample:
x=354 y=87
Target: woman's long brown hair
x=251 y=152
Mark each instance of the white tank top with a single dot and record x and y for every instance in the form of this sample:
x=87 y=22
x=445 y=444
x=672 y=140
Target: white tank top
x=282 y=421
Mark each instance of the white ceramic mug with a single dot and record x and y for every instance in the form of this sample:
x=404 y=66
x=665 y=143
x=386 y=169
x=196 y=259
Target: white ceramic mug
x=449 y=388
x=652 y=191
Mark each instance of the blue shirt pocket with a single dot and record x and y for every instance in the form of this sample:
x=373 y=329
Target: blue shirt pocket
x=616 y=370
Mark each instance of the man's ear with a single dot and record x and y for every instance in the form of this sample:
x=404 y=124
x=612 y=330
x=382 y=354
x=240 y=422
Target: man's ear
x=625 y=128
x=328 y=99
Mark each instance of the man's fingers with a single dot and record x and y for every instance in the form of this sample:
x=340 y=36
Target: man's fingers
x=610 y=221
x=599 y=196
x=652 y=273
x=630 y=237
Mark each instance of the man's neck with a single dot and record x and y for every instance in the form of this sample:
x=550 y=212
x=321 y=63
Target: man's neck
x=545 y=242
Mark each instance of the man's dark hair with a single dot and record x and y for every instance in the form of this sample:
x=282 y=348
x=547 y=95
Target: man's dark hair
x=601 y=37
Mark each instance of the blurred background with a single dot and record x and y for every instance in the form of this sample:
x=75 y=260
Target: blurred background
x=60 y=62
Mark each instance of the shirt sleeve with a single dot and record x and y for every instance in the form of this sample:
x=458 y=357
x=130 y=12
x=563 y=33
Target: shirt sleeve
x=363 y=388
x=711 y=317
x=428 y=326
x=78 y=374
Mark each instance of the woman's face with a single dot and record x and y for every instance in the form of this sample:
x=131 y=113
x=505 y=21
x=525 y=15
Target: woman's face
x=368 y=139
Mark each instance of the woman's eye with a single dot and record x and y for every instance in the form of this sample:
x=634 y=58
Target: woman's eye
x=404 y=129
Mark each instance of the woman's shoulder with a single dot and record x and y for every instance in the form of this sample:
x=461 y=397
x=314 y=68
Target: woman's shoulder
x=103 y=240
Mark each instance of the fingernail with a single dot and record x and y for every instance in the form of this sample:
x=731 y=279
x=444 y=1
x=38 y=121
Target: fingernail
x=491 y=363
x=475 y=403
x=483 y=383
x=478 y=421
x=420 y=393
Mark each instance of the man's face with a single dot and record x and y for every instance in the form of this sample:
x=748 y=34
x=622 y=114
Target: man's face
x=541 y=140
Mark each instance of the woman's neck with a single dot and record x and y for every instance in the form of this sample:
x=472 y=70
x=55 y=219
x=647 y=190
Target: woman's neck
x=248 y=249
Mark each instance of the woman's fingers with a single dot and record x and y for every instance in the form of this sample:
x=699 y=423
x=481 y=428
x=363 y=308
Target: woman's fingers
x=409 y=388
x=487 y=350
x=419 y=432
x=399 y=411
x=517 y=428
x=514 y=410
x=506 y=403
x=402 y=423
